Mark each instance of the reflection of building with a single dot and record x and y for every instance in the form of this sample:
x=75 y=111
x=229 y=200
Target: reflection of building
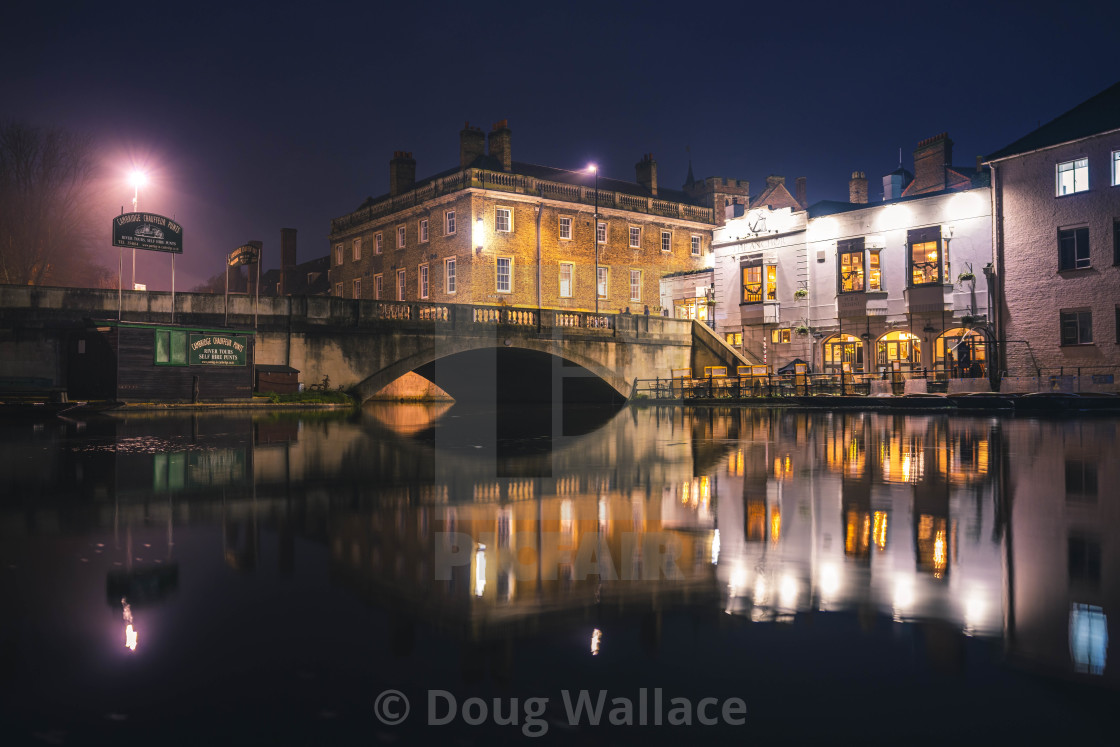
x=1058 y=243
x=858 y=286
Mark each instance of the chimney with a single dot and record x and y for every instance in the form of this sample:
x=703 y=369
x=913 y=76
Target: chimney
x=931 y=158
x=773 y=181
x=402 y=172
x=500 y=144
x=646 y=170
x=254 y=273
x=287 y=260
x=472 y=144
x=857 y=188
x=802 y=199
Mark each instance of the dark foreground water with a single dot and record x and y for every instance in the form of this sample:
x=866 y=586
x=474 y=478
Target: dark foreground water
x=714 y=576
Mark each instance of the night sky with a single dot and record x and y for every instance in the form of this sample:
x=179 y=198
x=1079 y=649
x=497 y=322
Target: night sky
x=253 y=118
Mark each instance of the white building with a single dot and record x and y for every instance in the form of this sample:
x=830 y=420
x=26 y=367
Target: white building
x=858 y=286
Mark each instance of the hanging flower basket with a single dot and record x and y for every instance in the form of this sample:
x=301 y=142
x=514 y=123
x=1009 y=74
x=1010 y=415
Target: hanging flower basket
x=801 y=294
x=965 y=277
x=801 y=330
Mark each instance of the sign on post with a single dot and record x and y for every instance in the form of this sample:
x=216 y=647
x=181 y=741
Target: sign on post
x=243 y=255
x=148 y=231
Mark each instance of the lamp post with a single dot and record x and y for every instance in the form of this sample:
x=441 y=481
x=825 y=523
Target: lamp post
x=137 y=179
x=595 y=233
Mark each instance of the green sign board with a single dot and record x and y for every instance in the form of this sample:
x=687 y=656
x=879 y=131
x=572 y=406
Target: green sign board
x=156 y=233
x=216 y=350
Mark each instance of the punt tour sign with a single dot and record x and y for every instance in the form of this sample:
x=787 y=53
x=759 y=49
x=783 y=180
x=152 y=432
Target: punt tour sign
x=156 y=233
x=216 y=350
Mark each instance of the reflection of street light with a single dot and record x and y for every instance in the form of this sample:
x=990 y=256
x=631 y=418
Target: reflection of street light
x=137 y=179
x=595 y=233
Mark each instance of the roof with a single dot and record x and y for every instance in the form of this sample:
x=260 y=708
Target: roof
x=831 y=207
x=1101 y=113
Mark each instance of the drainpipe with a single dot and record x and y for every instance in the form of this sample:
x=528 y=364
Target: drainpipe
x=540 y=211
x=995 y=289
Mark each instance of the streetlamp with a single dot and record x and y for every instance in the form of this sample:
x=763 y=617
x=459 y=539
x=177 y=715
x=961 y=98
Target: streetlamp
x=137 y=179
x=595 y=233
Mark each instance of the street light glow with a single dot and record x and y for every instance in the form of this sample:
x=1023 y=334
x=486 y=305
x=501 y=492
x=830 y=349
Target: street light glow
x=137 y=179
x=592 y=168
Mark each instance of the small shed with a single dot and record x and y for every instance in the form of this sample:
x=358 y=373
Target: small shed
x=273 y=378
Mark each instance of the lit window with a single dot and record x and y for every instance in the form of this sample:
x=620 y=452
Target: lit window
x=1073 y=176
x=1077 y=327
x=400 y=237
x=635 y=237
x=423 y=281
x=850 y=253
x=357 y=283
x=504 y=274
x=1088 y=638
x=602 y=282
x=449 y=222
x=695 y=246
x=752 y=281
x=601 y=233
x=378 y=242
x=780 y=336
x=771 y=282
x=170 y=347
x=423 y=230
x=565 y=228
x=357 y=248
x=377 y=279
x=925 y=256
x=449 y=274
x=503 y=220
x=874 y=271
x=734 y=339
x=1073 y=248
x=566 y=280
x=635 y=285
x=666 y=241
x=1116 y=168
x=338 y=254
x=400 y=285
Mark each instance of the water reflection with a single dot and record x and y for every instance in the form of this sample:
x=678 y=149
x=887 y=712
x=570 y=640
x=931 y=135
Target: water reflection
x=961 y=527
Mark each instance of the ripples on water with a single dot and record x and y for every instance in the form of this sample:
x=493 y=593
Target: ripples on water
x=837 y=571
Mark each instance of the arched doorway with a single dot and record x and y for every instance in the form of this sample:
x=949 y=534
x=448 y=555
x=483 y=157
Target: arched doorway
x=841 y=349
x=962 y=353
x=899 y=346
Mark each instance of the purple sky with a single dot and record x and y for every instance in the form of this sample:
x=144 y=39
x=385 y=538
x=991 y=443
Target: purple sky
x=253 y=118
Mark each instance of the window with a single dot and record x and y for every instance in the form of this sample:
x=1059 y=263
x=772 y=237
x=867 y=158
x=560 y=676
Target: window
x=602 y=281
x=1073 y=176
x=925 y=255
x=850 y=255
x=171 y=347
x=1116 y=168
x=1081 y=480
x=874 y=271
x=423 y=226
x=449 y=274
x=1073 y=248
x=400 y=237
x=1115 y=241
x=338 y=254
x=423 y=281
x=666 y=241
x=378 y=242
x=1077 y=327
x=357 y=248
x=338 y=290
x=565 y=228
x=751 y=273
x=601 y=232
x=566 y=270
x=734 y=339
x=771 y=282
x=780 y=336
x=503 y=220
x=635 y=285
x=1084 y=560
x=449 y=222
x=357 y=287
x=695 y=246
x=377 y=287
x=635 y=237
x=504 y=279
x=400 y=285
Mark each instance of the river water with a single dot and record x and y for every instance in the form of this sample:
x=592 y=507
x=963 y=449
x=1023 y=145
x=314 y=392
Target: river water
x=774 y=575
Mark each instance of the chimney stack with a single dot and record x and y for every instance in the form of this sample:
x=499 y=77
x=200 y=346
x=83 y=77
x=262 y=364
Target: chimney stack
x=402 y=172
x=646 y=170
x=500 y=144
x=472 y=144
x=255 y=272
x=802 y=198
x=287 y=260
x=857 y=188
x=773 y=181
x=931 y=158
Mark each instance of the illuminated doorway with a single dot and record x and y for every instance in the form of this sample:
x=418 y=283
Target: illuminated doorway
x=962 y=353
x=841 y=349
x=899 y=346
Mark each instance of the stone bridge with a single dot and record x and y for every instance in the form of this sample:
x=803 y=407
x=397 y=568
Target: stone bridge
x=362 y=346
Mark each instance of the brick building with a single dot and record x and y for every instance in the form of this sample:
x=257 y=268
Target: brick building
x=1056 y=198
x=497 y=231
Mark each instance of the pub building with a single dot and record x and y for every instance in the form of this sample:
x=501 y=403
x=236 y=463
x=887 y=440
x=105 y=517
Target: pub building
x=151 y=362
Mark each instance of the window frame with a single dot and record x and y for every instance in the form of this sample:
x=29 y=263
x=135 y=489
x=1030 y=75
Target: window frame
x=921 y=236
x=450 y=279
x=356 y=287
x=1073 y=258
x=601 y=239
x=1076 y=165
x=562 y=222
x=781 y=336
x=747 y=267
x=853 y=248
x=338 y=290
x=636 y=298
x=338 y=255
x=666 y=242
x=631 y=233
x=378 y=242
x=402 y=238
x=570 y=266
x=875 y=270
x=422 y=230
x=1116 y=168
x=1081 y=320
x=422 y=282
x=696 y=248
x=172 y=336
x=498 y=210
x=1116 y=241
x=402 y=283
x=448 y=222
x=356 y=249
x=603 y=281
x=498 y=261
x=378 y=283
